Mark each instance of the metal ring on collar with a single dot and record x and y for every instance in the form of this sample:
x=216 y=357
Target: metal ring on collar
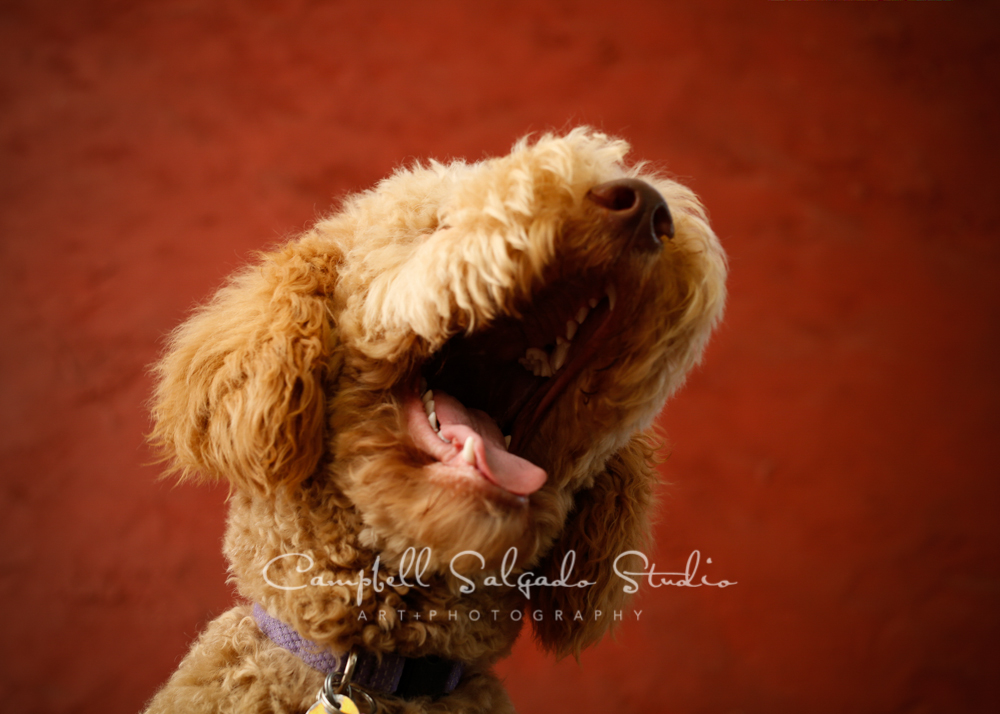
x=345 y=680
x=372 y=704
x=337 y=682
x=331 y=700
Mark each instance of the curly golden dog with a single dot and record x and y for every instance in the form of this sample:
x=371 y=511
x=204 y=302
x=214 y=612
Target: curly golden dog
x=434 y=411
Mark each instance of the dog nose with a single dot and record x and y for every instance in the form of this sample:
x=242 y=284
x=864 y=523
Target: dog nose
x=638 y=208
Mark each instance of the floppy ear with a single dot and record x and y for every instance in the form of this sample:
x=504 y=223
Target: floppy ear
x=240 y=388
x=609 y=518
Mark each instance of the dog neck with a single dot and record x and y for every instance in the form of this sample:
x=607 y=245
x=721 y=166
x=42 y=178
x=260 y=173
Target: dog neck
x=392 y=674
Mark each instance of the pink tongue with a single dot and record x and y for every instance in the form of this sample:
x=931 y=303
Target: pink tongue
x=509 y=472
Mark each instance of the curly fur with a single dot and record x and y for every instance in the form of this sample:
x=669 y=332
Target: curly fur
x=291 y=382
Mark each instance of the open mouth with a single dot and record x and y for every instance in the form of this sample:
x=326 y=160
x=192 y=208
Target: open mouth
x=482 y=397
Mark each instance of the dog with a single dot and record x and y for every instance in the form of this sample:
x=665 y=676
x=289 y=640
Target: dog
x=435 y=412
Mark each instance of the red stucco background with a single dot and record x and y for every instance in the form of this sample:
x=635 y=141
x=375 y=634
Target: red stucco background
x=836 y=455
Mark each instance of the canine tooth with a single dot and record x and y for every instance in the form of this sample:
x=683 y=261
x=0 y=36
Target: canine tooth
x=612 y=295
x=468 y=451
x=570 y=329
x=428 y=395
x=582 y=313
x=546 y=369
x=559 y=356
x=561 y=340
x=429 y=407
x=433 y=419
x=506 y=440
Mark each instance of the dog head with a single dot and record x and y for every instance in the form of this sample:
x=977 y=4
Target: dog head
x=465 y=357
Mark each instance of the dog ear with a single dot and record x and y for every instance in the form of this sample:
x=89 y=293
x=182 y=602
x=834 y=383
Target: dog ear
x=239 y=391
x=609 y=518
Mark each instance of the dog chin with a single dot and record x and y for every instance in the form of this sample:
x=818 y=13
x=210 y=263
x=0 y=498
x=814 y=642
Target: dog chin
x=468 y=514
x=431 y=497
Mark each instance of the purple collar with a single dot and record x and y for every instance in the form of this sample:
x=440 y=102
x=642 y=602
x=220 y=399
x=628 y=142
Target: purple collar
x=391 y=674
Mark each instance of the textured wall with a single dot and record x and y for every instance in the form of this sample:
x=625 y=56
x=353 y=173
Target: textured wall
x=836 y=455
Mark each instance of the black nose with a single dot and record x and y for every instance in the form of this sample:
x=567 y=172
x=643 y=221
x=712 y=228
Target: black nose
x=638 y=209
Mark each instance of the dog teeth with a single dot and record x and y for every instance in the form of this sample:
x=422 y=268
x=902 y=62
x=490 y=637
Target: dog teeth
x=429 y=409
x=542 y=364
x=612 y=295
x=592 y=302
x=506 y=440
x=468 y=451
x=530 y=365
x=537 y=362
x=533 y=353
x=431 y=413
x=559 y=356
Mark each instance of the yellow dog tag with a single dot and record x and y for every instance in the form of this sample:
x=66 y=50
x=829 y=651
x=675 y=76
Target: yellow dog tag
x=346 y=704
x=343 y=704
